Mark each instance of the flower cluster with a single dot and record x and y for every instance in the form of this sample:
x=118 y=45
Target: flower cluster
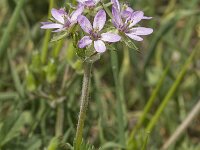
x=124 y=19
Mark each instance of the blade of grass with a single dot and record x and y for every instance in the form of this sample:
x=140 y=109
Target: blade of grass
x=149 y=104
x=194 y=112
x=171 y=92
x=17 y=83
x=144 y=146
x=59 y=120
x=8 y=95
x=11 y=26
x=99 y=106
x=47 y=36
x=57 y=48
x=120 y=112
x=167 y=25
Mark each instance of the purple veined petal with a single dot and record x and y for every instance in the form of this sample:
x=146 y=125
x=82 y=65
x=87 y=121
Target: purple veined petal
x=89 y=3
x=85 y=41
x=76 y=13
x=141 y=31
x=81 y=1
x=44 y=23
x=62 y=11
x=51 y=26
x=85 y=24
x=115 y=24
x=80 y=5
x=110 y=37
x=127 y=12
x=99 y=20
x=129 y=9
x=57 y=15
x=136 y=17
x=134 y=37
x=99 y=46
x=116 y=16
x=116 y=4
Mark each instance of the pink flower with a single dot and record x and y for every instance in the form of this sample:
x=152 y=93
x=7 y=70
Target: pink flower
x=94 y=35
x=62 y=19
x=125 y=21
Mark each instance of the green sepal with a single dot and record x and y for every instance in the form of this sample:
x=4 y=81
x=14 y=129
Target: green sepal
x=129 y=43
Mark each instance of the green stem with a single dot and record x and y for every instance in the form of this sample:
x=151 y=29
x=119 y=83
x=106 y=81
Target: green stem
x=84 y=105
x=47 y=36
x=59 y=120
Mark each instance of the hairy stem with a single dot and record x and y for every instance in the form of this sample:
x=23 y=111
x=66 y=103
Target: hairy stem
x=84 y=105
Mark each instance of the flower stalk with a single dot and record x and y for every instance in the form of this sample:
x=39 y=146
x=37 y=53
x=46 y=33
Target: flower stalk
x=59 y=120
x=84 y=105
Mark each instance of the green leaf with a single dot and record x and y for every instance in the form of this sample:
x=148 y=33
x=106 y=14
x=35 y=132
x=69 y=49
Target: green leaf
x=129 y=43
x=11 y=127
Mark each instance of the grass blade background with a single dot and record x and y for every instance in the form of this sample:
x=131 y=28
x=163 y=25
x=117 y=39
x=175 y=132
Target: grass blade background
x=170 y=92
x=149 y=104
x=11 y=27
x=119 y=96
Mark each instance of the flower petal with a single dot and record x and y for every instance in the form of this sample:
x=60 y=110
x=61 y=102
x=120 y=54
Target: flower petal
x=58 y=15
x=99 y=46
x=110 y=37
x=90 y=3
x=44 y=23
x=134 y=37
x=76 y=13
x=99 y=20
x=51 y=26
x=81 y=1
x=141 y=31
x=127 y=12
x=85 y=24
x=85 y=41
x=147 y=18
x=117 y=20
x=116 y=4
x=136 y=17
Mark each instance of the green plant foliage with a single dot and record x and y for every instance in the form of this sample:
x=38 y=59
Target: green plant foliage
x=135 y=87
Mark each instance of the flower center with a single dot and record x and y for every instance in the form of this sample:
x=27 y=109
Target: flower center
x=95 y=35
x=67 y=22
x=124 y=27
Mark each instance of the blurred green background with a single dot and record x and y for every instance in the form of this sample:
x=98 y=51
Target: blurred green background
x=40 y=81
